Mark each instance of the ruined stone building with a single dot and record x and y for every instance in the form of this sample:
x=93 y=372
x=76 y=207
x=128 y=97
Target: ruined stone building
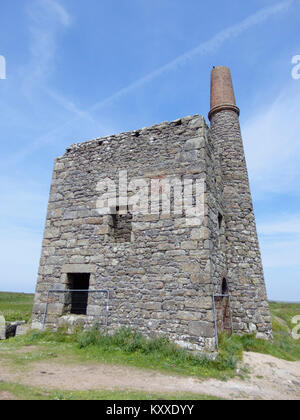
x=170 y=273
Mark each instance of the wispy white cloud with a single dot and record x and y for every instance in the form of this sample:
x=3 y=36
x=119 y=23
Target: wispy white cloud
x=281 y=253
x=59 y=10
x=46 y=18
x=73 y=108
x=202 y=49
x=290 y=225
x=61 y=132
x=280 y=241
x=272 y=144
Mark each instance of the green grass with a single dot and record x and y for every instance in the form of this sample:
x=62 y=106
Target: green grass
x=285 y=311
x=126 y=347
x=283 y=346
x=22 y=392
x=16 y=306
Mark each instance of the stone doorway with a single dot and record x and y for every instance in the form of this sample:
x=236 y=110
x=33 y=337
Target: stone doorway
x=223 y=312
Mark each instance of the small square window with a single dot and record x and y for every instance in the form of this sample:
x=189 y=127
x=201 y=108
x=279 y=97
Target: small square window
x=122 y=226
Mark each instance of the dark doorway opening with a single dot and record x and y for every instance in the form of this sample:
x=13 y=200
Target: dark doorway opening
x=222 y=307
x=78 y=300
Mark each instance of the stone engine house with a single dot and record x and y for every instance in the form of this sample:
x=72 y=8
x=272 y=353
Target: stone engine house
x=171 y=274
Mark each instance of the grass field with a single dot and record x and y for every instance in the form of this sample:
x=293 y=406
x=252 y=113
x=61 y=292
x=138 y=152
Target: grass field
x=126 y=347
x=22 y=392
x=16 y=306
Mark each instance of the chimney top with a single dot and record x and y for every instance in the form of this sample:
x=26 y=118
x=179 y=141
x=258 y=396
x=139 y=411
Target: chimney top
x=221 y=94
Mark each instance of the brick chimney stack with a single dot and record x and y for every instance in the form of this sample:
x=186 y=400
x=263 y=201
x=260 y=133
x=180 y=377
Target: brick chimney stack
x=221 y=92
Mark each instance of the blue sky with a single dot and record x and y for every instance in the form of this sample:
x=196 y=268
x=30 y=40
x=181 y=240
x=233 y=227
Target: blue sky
x=78 y=70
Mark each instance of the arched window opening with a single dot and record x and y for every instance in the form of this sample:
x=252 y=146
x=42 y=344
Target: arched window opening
x=223 y=321
x=224 y=287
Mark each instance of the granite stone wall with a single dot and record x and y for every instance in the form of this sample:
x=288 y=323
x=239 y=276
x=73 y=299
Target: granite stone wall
x=159 y=277
x=161 y=270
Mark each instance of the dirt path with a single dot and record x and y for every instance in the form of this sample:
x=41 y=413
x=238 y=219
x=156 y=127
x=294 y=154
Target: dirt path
x=6 y=396
x=270 y=378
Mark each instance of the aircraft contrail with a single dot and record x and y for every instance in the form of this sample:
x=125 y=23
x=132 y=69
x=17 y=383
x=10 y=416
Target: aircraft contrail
x=204 y=48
